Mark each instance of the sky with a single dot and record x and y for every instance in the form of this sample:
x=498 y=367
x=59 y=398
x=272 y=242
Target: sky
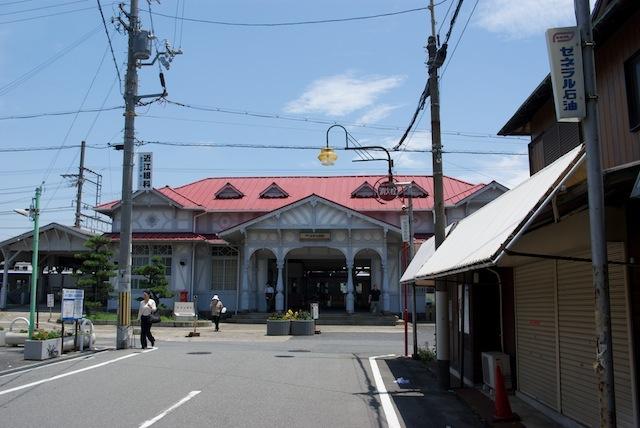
x=365 y=74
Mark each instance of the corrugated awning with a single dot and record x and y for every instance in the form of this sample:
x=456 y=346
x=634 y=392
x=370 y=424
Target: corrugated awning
x=209 y=238
x=480 y=239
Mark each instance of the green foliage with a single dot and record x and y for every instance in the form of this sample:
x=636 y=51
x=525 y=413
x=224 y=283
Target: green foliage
x=45 y=335
x=426 y=354
x=303 y=315
x=155 y=279
x=96 y=268
x=290 y=316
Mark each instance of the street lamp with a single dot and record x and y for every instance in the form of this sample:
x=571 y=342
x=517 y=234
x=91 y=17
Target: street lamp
x=34 y=214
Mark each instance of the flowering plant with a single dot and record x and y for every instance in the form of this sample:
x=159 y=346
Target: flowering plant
x=44 y=334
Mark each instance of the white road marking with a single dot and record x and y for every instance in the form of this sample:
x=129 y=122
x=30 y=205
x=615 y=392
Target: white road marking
x=150 y=422
x=60 y=376
x=387 y=406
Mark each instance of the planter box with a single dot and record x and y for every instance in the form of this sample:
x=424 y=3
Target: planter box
x=42 y=349
x=278 y=327
x=303 y=327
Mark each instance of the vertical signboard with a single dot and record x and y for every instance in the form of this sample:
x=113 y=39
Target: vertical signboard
x=72 y=302
x=565 y=61
x=145 y=171
x=404 y=226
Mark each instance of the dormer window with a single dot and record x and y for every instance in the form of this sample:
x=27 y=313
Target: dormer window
x=365 y=190
x=228 y=192
x=273 y=192
x=415 y=192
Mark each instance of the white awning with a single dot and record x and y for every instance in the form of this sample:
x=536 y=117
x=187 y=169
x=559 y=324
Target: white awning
x=423 y=254
x=480 y=239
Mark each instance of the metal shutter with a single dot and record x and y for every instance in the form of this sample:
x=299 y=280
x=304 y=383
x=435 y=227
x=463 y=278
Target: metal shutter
x=577 y=341
x=536 y=331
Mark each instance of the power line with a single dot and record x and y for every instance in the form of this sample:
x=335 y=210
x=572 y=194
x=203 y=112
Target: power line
x=47 y=148
x=15 y=2
x=31 y=73
x=60 y=113
x=49 y=15
x=42 y=7
x=283 y=24
x=293 y=147
x=459 y=39
x=453 y=21
x=113 y=55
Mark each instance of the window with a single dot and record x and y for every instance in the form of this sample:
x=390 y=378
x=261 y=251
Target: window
x=141 y=256
x=224 y=270
x=632 y=78
x=228 y=191
x=365 y=190
x=273 y=192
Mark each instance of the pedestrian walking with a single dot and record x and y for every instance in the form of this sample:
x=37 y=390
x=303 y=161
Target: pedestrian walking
x=268 y=295
x=374 y=299
x=147 y=307
x=216 y=310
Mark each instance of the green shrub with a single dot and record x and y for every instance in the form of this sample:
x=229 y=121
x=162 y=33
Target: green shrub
x=303 y=315
x=45 y=335
x=426 y=354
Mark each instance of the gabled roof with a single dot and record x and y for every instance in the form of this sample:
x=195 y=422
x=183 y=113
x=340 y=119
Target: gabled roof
x=166 y=193
x=273 y=191
x=494 y=185
x=228 y=191
x=293 y=205
x=365 y=190
x=416 y=191
x=79 y=233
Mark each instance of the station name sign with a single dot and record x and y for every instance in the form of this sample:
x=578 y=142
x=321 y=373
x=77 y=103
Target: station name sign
x=388 y=190
x=315 y=236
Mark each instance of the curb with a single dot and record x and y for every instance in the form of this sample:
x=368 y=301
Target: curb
x=65 y=357
x=183 y=324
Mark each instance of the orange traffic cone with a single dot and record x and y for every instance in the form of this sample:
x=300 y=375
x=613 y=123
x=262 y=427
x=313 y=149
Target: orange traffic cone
x=503 y=411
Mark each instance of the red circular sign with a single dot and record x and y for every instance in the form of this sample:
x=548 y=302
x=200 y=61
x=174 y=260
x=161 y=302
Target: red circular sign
x=388 y=191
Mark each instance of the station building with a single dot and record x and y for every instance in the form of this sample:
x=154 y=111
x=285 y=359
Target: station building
x=325 y=239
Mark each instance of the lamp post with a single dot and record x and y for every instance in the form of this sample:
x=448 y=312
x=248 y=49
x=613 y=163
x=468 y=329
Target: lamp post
x=34 y=214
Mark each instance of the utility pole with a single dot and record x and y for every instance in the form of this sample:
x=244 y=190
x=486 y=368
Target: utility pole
x=604 y=354
x=80 y=182
x=34 y=213
x=124 y=264
x=436 y=58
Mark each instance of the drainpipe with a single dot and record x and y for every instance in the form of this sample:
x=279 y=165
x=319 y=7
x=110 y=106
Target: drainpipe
x=500 y=297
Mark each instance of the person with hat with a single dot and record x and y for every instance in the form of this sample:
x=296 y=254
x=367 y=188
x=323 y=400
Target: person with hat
x=216 y=310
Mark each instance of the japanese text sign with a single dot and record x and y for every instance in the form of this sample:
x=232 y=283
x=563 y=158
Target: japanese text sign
x=565 y=60
x=145 y=171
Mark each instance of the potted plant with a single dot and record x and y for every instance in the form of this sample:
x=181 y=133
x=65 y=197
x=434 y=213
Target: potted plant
x=43 y=345
x=278 y=324
x=303 y=324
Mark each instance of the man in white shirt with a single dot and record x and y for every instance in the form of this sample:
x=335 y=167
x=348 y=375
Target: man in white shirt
x=269 y=297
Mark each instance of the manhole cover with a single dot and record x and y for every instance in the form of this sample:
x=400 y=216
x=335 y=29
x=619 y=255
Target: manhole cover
x=199 y=353
x=299 y=350
x=284 y=356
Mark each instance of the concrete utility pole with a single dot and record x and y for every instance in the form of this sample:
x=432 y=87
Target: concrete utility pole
x=442 y=297
x=80 y=182
x=131 y=97
x=34 y=213
x=604 y=354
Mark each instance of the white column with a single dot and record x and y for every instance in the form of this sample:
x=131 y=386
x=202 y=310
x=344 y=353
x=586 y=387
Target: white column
x=280 y=287
x=385 y=287
x=350 y=286
x=262 y=275
x=244 y=295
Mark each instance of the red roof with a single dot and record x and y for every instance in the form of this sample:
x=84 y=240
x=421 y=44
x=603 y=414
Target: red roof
x=211 y=238
x=201 y=194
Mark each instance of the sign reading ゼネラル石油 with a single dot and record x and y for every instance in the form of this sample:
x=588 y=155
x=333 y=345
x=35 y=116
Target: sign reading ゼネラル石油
x=565 y=61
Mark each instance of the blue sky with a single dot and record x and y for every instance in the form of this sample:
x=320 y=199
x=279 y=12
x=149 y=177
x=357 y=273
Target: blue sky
x=357 y=72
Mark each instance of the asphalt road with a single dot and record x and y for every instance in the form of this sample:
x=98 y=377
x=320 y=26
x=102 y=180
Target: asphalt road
x=320 y=381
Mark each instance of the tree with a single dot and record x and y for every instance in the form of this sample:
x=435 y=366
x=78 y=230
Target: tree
x=154 y=277
x=96 y=268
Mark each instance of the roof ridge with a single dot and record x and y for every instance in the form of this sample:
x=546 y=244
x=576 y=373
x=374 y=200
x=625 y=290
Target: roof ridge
x=180 y=194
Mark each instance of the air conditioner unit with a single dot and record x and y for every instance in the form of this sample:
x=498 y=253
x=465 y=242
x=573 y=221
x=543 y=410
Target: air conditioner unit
x=491 y=360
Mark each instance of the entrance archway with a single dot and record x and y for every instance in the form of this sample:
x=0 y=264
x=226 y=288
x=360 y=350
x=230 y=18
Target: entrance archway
x=316 y=274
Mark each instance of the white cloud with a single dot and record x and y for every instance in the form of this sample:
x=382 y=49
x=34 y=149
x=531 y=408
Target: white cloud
x=376 y=114
x=507 y=170
x=523 y=18
x=342 y=94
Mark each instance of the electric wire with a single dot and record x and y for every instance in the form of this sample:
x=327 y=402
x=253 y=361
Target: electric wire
x=459 y=38
x=60 y=113
x=444 y=19
x=184 y=2
x=41 y=8
x=453 y=22
x=113 y=55
x=293 y=23
x=8 y=87
x=49 y=15
x=15 y=2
